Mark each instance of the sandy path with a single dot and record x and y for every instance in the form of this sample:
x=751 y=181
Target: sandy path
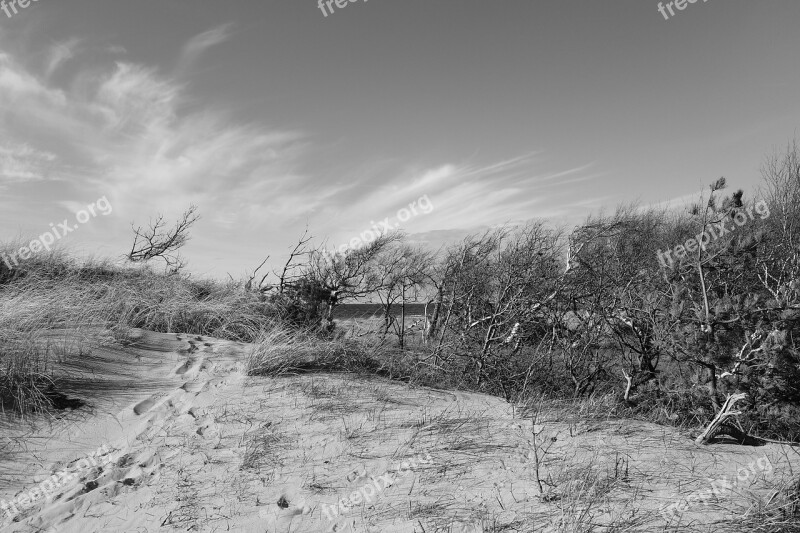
x=210 y=449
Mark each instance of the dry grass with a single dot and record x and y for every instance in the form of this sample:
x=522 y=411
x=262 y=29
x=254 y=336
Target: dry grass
x=24 y=375
x=280 y=351
x=283 y=350
x=778 y=513
x=261 y=448
x=52 y=292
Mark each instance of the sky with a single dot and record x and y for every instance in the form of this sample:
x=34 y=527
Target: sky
x=272 y=116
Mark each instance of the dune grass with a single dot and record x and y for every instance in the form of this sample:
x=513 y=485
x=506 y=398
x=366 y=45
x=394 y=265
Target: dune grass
x=283 y=350
x=54 y=292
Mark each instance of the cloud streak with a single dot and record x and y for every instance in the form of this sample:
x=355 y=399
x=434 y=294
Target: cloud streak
x=465 y=196
x=198 y=44
x=60 y=53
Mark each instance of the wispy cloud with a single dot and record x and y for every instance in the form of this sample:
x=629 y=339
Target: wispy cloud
x=59 y=53
x=198 y=44
x=127 y=133
x=21 y=162
x=465 y=196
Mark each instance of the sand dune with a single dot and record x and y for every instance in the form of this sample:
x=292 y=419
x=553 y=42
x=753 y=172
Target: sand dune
x=189 y=442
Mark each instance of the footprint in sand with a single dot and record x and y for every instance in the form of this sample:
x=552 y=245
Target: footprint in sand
x=192 y=386
x=188 y=365
x=181 y=370
x=214 y=383
x=208 y=428
x=145 y=405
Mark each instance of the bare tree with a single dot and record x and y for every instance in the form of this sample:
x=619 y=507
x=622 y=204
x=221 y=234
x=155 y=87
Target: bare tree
x=249 y=283
x=780 y=269
x=620 y=291
x=301 y=249
x=497 y=284
x=287 y=275
x=159 y=241
x=397 y=271
x=350 y=274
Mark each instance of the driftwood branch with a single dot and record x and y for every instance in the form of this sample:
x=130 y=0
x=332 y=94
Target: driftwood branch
x=629 y=381
x=721 y=425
